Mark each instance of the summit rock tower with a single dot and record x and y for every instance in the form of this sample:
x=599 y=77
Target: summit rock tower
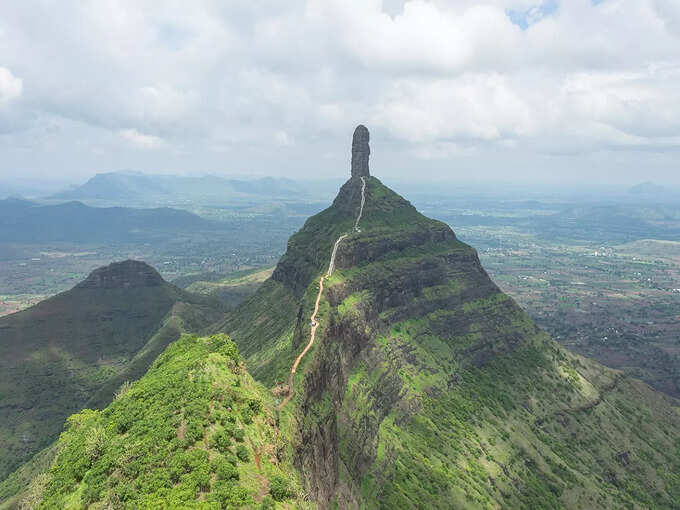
x=360 y=152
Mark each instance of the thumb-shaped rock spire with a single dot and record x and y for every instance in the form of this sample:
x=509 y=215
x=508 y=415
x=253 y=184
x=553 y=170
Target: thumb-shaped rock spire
x=360 y=152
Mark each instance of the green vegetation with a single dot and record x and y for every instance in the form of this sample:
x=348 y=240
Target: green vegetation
x=176 y=439
x=76 y=349
x=427 y=387
x=232 y=289
x=450 y=397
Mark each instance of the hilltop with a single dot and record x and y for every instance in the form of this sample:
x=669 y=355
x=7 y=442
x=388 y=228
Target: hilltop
x=76 y=348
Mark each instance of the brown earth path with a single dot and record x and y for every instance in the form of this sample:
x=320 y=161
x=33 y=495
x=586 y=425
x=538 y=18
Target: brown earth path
x=314 y=322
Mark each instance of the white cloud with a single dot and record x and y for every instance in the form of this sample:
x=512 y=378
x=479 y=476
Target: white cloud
x=230 y=83
x=141 y=140
x=669 y=11
x=10 y=86
x=281 y=139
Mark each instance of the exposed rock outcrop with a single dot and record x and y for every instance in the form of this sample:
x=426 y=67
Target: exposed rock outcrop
x=360 y=152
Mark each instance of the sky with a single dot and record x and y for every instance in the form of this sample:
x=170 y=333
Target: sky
x=572 y=91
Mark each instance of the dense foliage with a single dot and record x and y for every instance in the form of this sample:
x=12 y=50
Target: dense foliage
x=75 y=349
x=195 y=432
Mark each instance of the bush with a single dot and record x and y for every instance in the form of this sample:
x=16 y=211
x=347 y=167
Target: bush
x=247 y=415
x=267 y=504
x=255 y=405
x=225 y=470
x=194 y=431
x=239 y=435
x=242 y=453
x=280 y=488
x=229 y=495
x=95 y=443
x=221 y=441
x=122 y=390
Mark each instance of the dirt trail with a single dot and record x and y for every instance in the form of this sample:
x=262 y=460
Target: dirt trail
x=315 y=324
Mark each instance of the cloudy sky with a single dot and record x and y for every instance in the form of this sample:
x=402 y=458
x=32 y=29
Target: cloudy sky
x=498 y=90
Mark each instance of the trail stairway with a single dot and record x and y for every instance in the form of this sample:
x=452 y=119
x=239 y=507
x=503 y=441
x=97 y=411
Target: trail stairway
x=314 y=322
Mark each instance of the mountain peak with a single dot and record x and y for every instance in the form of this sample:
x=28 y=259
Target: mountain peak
x=119 y=275
x=360 y=152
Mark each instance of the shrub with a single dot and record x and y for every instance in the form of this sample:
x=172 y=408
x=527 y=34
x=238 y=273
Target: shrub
x=267 y=504
x=242 y=453
x=225 y=470
x=279 y=488
x=221 y=441
x=239 y=435
x=229 y=428
x=247 y=415
x=122 y=390
x=194 y=431
x=229 y=495
x=255 y=405
x=95 y=443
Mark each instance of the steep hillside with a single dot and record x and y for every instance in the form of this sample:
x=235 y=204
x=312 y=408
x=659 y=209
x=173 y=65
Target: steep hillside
x=230 y=289
x=195 y=432
x=74 y=349
x=427 y=387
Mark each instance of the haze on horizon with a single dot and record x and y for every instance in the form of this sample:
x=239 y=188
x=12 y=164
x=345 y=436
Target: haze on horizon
x=576 y=91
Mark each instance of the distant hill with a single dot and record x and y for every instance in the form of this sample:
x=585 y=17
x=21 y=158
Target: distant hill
x=76 y=348
x=113 y=186
x=24 y=221
x=125 y=186
x=647 y=188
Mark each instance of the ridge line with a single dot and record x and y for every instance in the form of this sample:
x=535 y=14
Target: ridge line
x=314 y=322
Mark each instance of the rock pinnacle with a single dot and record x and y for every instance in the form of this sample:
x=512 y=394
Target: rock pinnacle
x=360 y=152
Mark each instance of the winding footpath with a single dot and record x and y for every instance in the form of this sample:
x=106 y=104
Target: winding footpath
x=314 y=322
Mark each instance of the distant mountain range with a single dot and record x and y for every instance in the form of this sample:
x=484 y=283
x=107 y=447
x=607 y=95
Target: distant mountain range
x=649 y=188
x=125 y=186
x=25 y=221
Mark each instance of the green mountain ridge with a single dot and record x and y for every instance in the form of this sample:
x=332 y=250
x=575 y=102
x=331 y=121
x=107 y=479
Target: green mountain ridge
x=195 y=432
x=430 y=388
x=75 y=349
x=426 y=387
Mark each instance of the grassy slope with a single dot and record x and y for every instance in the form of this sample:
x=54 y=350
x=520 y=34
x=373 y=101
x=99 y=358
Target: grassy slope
x=195 y=432
x=536 y=428
x=232 y=289
x=74 y=349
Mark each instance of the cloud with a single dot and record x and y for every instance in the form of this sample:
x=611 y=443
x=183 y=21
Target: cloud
x=229 y=84
x=141 y=140
x=10 y=86
x=669 y=11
